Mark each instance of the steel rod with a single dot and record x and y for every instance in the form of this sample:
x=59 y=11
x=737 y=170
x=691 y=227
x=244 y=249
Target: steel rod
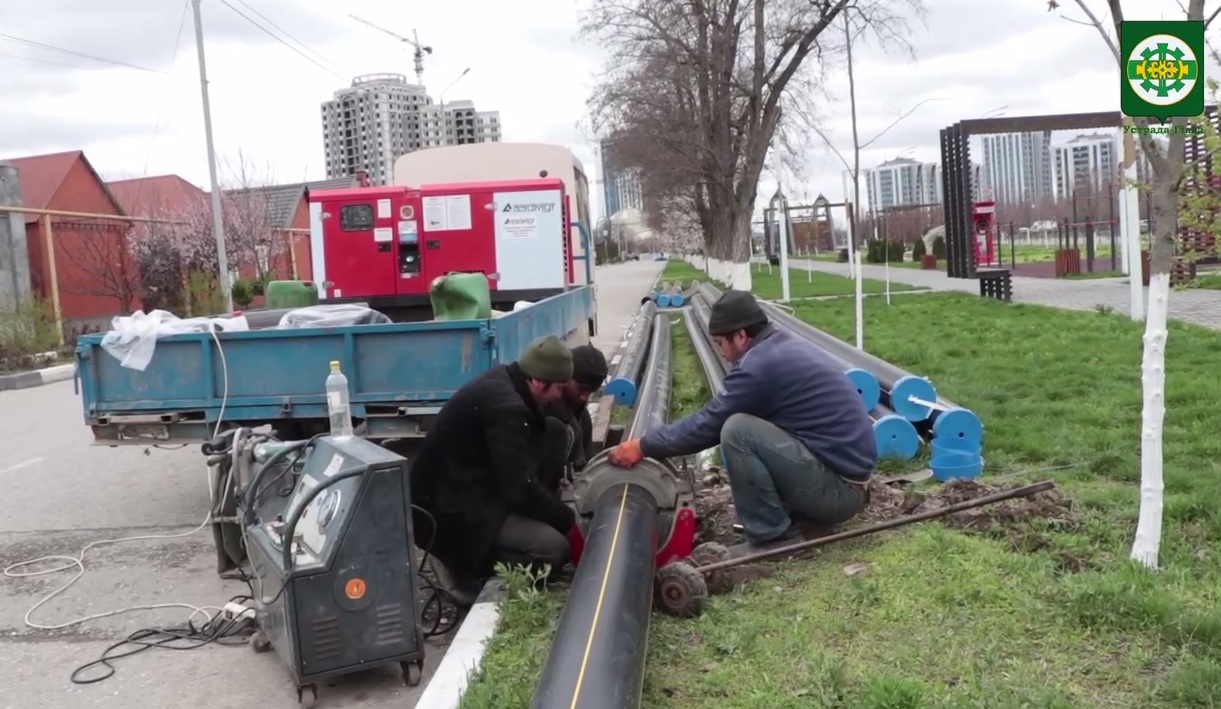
x=1024 y=491
x=623 y=384
x=598 y=654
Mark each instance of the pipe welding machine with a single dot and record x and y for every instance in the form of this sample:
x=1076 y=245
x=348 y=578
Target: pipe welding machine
x=326 y=529
x=672 y=490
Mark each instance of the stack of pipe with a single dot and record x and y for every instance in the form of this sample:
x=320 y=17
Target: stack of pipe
x=673 y=295
x=623 y=383
x=894 y=436
x=597 y=657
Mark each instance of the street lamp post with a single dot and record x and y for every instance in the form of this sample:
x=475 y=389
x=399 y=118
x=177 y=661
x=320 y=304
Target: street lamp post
x=441 y=101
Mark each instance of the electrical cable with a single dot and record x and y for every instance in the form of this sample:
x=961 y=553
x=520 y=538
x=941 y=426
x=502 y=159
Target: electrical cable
x=152 y=141
x=277 y=38
x=285 y=32
x=74 y=53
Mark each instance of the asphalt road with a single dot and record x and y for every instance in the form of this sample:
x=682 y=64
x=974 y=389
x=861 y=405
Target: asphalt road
x=58 y=493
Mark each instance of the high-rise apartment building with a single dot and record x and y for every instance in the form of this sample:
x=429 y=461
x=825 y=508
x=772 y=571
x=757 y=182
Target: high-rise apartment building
x=1018 y=167
x=620 y=188
x=1087 y=162
x=902 y=182
x=380 y=117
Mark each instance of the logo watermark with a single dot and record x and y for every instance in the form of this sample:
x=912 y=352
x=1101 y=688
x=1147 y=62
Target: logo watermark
x=1163 y=73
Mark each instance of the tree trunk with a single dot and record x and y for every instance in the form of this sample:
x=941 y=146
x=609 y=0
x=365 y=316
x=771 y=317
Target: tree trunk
x=1147 y=542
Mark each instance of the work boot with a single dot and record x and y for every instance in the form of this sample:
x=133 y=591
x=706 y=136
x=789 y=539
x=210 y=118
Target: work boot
x=462 y=593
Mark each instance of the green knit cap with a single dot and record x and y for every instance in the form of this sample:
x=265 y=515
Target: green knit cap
x=547 y=359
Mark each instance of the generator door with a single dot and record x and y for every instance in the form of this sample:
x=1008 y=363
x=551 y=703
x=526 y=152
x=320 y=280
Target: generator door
x=359 y=243
x=456 y=234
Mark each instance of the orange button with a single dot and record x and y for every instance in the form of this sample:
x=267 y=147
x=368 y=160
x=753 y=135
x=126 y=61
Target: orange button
x=355 y=589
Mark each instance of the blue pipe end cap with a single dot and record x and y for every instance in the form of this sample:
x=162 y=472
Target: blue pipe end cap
x=867 y=386
x=908 y=387
x=895 y=437
x=677 y=300
x=624 y=391
x=663 y=300
x=958 y=425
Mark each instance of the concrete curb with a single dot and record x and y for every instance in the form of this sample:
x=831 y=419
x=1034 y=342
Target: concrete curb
x=465 y=654
x=37 y=378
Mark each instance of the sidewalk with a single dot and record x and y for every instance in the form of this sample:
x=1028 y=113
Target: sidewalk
x=1202 y=307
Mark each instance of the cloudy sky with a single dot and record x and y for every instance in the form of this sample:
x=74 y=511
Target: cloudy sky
x=140 y=114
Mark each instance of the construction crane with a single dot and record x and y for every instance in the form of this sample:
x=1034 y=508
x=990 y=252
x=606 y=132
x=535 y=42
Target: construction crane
x=420 y=50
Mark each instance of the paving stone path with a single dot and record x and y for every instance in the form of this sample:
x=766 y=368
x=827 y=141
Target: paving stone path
x=1202 y=307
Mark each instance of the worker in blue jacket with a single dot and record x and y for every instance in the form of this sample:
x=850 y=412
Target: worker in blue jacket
x=796 y=438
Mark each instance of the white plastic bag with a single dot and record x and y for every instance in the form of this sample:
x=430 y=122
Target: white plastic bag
x=331 y=316
x=132 y=339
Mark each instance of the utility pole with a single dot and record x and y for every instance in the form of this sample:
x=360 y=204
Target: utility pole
x=218 y=222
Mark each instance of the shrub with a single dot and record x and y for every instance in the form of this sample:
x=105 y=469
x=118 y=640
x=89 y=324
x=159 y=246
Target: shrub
x=918 y=250
x=26 y=330
x=897 y=249
x=939 y=247
x=243 y=292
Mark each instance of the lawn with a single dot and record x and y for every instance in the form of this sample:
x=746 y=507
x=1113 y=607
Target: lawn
x=802 y=284
x=1053 y=616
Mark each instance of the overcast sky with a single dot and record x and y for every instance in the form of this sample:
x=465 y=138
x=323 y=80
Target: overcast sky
x=1009 y=57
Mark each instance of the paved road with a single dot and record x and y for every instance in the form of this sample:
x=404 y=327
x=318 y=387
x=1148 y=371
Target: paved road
x=60 y=493
x=1202 y=307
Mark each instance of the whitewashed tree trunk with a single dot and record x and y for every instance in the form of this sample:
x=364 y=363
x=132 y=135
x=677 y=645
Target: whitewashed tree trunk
x=1148 y=540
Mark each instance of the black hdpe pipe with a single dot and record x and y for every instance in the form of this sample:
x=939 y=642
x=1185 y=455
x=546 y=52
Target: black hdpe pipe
x=597 y=657
x=705 y=347
x=623 y=381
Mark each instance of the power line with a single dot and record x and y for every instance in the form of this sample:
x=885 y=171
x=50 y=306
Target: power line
x=74 y=53
x=277 y=38
x=40 y=61
x=286 y=33
x=152 y=141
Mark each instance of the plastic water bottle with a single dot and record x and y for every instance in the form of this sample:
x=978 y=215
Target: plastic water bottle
x=339 y=403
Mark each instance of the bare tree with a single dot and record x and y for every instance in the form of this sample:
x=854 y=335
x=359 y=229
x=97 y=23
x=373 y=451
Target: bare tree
x=99 y=251
x=694 y=94
x=1166 y=164
x=251 y=239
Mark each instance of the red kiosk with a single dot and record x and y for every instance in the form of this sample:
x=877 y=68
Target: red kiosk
x=983 y=216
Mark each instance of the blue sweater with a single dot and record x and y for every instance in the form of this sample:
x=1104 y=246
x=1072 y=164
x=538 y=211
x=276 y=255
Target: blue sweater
x=794 y=385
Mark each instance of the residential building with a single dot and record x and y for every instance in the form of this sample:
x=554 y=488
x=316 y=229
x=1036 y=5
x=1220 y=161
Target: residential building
x=1087 y=162
x=620 y=187
x=902 y=182
x=1017 y=167
x=380 y=117
x=95 y=276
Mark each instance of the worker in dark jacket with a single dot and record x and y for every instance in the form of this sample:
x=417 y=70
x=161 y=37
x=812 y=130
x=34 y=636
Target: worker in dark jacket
x=796 y=438
x=479 y=475
x=589 y=371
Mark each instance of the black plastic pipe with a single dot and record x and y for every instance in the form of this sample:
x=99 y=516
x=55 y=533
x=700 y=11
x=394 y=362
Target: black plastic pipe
x=623 y=381
x=597 y=657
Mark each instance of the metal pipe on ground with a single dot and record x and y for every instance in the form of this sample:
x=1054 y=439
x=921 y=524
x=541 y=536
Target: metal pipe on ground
x=623 y=381
x=597 y=657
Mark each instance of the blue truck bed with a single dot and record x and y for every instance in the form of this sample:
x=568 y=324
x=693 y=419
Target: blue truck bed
x=399 y=373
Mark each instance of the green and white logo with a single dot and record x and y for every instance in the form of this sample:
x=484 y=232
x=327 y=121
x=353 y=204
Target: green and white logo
x=1163 y=70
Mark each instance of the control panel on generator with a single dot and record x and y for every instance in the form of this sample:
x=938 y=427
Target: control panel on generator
x=393 y=241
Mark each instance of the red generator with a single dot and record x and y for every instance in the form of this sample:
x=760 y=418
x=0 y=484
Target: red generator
x=385 y=245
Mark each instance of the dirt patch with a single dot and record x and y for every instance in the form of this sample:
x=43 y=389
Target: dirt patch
x=1024 y=521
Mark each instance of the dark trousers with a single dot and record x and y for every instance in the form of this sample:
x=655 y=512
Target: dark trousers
x=774 y=477
x=529 y=542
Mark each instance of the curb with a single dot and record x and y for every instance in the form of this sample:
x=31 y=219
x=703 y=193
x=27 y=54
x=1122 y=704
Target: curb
x=37 y=378
x=465 y=654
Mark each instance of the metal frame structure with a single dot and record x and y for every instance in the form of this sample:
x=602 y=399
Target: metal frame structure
x=956 y=171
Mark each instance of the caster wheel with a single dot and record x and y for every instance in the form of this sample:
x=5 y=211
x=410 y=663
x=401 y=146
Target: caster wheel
x=680 y=590
x=412 y=673
x=307 y=696
x=718 y=582
x=259 y=642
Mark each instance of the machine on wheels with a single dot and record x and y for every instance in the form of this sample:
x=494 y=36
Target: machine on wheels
x=325 y=525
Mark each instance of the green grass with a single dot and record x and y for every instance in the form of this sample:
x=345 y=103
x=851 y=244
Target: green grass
x=801 y=285
x=1042 y=617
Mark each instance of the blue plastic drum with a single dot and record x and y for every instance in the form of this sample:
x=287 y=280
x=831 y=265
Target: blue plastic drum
x=912 y=386
x=624 y=391
x=895 y=437
x=867 y=386
x=958 y=425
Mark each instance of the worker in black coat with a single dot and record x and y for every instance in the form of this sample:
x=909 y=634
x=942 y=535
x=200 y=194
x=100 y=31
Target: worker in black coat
x=589 y=371
x=482 y=474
